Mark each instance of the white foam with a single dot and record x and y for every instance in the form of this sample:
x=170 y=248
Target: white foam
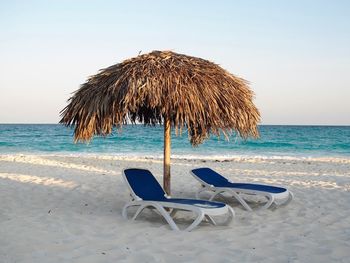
x=219 y=158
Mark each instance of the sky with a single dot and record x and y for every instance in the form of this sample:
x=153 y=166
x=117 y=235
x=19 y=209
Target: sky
x=295 y=54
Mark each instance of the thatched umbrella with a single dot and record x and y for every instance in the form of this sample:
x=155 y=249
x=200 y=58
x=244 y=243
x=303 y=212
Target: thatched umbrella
x=164 y=87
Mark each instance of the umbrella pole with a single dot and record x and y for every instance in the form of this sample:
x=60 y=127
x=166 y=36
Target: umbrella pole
x=166 y=168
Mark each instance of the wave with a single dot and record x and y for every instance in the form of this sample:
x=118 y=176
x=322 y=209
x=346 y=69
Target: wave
x=191 y=157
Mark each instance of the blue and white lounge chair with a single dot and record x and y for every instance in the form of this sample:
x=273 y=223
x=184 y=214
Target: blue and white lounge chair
x=147 y=193
x=217 y=184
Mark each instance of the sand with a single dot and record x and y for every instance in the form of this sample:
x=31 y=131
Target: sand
x=68 y=209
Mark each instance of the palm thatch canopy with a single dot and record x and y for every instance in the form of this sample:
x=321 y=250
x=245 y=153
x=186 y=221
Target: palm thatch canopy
x=190 y=92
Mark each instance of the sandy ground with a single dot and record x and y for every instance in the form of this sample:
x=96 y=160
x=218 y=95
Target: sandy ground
x=68 y=209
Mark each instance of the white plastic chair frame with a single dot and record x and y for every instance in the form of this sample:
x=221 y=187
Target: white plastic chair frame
x=201 y=213
x=272 y=198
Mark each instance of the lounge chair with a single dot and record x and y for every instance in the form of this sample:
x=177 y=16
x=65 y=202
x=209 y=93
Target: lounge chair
x=146 y=192
x=217 y=184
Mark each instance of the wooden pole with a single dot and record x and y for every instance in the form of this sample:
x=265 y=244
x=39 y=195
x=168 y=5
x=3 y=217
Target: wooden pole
x=166 y=168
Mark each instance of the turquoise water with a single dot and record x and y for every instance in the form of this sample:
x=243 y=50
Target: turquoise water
x=138 y=140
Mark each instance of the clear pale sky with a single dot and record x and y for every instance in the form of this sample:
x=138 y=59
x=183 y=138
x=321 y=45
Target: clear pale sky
x=296 y=54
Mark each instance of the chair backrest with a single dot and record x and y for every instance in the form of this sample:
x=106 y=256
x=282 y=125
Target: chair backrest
x=210 y=177
x=143 y=184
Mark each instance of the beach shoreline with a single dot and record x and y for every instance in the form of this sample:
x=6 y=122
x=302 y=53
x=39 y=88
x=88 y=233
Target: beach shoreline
x=61 y=207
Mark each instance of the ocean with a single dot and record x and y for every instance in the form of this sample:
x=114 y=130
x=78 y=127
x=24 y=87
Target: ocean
x=142 y=141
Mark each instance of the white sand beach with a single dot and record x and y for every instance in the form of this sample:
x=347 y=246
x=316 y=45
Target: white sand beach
x=68 y=209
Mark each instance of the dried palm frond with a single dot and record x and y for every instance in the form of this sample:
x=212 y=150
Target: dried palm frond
x=191 y=92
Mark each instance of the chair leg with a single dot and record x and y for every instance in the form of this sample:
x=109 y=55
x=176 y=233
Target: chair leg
x=216 y=193
x=230 y=216
x=241 y=201
x=196 y=221
x=139 y=211
x=173 y=212
x=210 y=219
x=270 y=201
x=159 y=208
x=126 y=206
x=290 y=198
x=166 y=216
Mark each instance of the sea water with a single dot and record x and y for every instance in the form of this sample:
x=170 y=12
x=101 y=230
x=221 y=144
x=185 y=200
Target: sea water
x=142 y=141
